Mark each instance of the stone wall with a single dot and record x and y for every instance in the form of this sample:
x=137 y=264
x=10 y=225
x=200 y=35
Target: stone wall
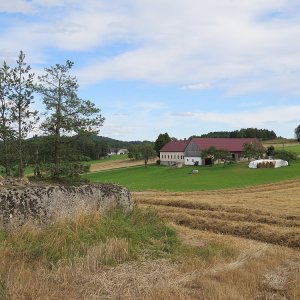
x=44 y=204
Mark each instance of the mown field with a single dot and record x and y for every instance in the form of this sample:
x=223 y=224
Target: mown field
x=288 y=145
x=173 y=179
x=217 y=245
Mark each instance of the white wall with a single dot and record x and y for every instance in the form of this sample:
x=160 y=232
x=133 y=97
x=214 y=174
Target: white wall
x=190 y=161
x=169 y=158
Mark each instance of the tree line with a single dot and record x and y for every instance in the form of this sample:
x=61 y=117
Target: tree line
x=261 y=134
x=65 y=121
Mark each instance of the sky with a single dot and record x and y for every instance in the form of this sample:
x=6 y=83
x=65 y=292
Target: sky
x=185 y=67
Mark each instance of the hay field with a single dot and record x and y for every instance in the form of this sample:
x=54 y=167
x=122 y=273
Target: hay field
x=244 y=245
x=262 y=226
x=268 y=213
x=116 y=164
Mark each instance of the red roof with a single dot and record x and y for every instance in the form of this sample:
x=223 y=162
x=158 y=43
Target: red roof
x=175 y=146
x=228 y=144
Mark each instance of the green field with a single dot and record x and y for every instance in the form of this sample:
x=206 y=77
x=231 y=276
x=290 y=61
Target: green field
x=283 y=144
x=289 y=147
x=173 y=179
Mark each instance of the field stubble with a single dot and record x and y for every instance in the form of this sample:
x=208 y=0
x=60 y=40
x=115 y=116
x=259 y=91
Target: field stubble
x=230 y=266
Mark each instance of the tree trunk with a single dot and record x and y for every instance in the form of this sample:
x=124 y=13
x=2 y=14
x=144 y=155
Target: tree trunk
x=20 y=169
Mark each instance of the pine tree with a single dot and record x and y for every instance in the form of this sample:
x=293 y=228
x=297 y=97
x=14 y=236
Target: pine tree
x=21 y=97
x=6 y=132
x=66 y=113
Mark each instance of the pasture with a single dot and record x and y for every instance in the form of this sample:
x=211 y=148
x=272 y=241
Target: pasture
x=283 y=144
x=172 y=179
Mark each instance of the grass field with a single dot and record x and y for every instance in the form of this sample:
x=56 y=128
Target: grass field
x=208 y=178
x=288 y=145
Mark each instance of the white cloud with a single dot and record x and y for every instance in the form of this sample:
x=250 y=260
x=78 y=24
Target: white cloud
x=256 y=118
x=16 y=6
x=196 y=86
x=238 y=46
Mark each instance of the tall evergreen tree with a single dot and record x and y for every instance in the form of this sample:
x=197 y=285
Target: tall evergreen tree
x=21 y=96
x=66 y=113
x=5 y=114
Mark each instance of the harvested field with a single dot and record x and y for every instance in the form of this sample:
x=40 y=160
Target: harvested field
x=117 y=164
x=268 y=213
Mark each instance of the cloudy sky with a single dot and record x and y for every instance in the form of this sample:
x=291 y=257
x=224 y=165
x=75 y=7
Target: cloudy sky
x=183 y=66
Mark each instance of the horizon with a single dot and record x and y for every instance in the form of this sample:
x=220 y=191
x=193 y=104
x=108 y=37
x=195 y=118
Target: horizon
x=167 y=66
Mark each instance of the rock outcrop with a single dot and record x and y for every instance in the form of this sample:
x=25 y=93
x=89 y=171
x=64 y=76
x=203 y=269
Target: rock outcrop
x=44 y=204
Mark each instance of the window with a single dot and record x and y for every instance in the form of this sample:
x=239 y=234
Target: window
x=178 y=156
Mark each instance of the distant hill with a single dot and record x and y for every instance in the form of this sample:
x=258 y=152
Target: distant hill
x=119 y=144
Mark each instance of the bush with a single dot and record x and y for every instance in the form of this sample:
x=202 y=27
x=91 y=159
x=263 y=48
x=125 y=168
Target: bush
x=285 y=155
x=158 y=162
x=69 y=170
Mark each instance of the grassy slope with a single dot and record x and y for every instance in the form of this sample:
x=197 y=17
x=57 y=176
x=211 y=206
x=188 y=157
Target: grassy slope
x=216 y=177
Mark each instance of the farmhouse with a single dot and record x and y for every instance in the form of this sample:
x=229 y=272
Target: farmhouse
x=189 y=152
x=173 y=153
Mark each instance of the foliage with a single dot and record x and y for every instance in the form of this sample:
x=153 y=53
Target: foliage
x=297 y=133
x=66 y=112
x=142 y=151
x=216 y=154
x=71 y=170
x=162 y=140
x=6 y=131
x=263 y=134
x=270 y=150
x=254 y=150
x=285 y=155
x=21 y=89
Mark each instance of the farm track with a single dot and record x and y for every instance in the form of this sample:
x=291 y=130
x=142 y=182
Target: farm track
x=268 y=213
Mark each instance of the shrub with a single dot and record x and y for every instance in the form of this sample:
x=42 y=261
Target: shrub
x=285 y=155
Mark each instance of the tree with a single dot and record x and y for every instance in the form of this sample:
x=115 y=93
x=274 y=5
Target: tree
x=270 y=150
x=66 y=113
x=254 y=150
x=21 y=96
x=285 y=155
x=297 y=133
x=162 y=140
x=6 y=132
x=214 y=154
x=142 y=151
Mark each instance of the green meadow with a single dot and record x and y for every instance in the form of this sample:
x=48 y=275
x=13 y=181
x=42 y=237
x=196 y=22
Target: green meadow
x=174 y=179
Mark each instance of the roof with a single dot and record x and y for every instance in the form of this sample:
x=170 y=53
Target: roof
x=228 y=144
x=175 y=146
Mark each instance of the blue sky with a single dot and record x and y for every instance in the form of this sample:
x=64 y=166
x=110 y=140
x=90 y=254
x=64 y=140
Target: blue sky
x=154 y=66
